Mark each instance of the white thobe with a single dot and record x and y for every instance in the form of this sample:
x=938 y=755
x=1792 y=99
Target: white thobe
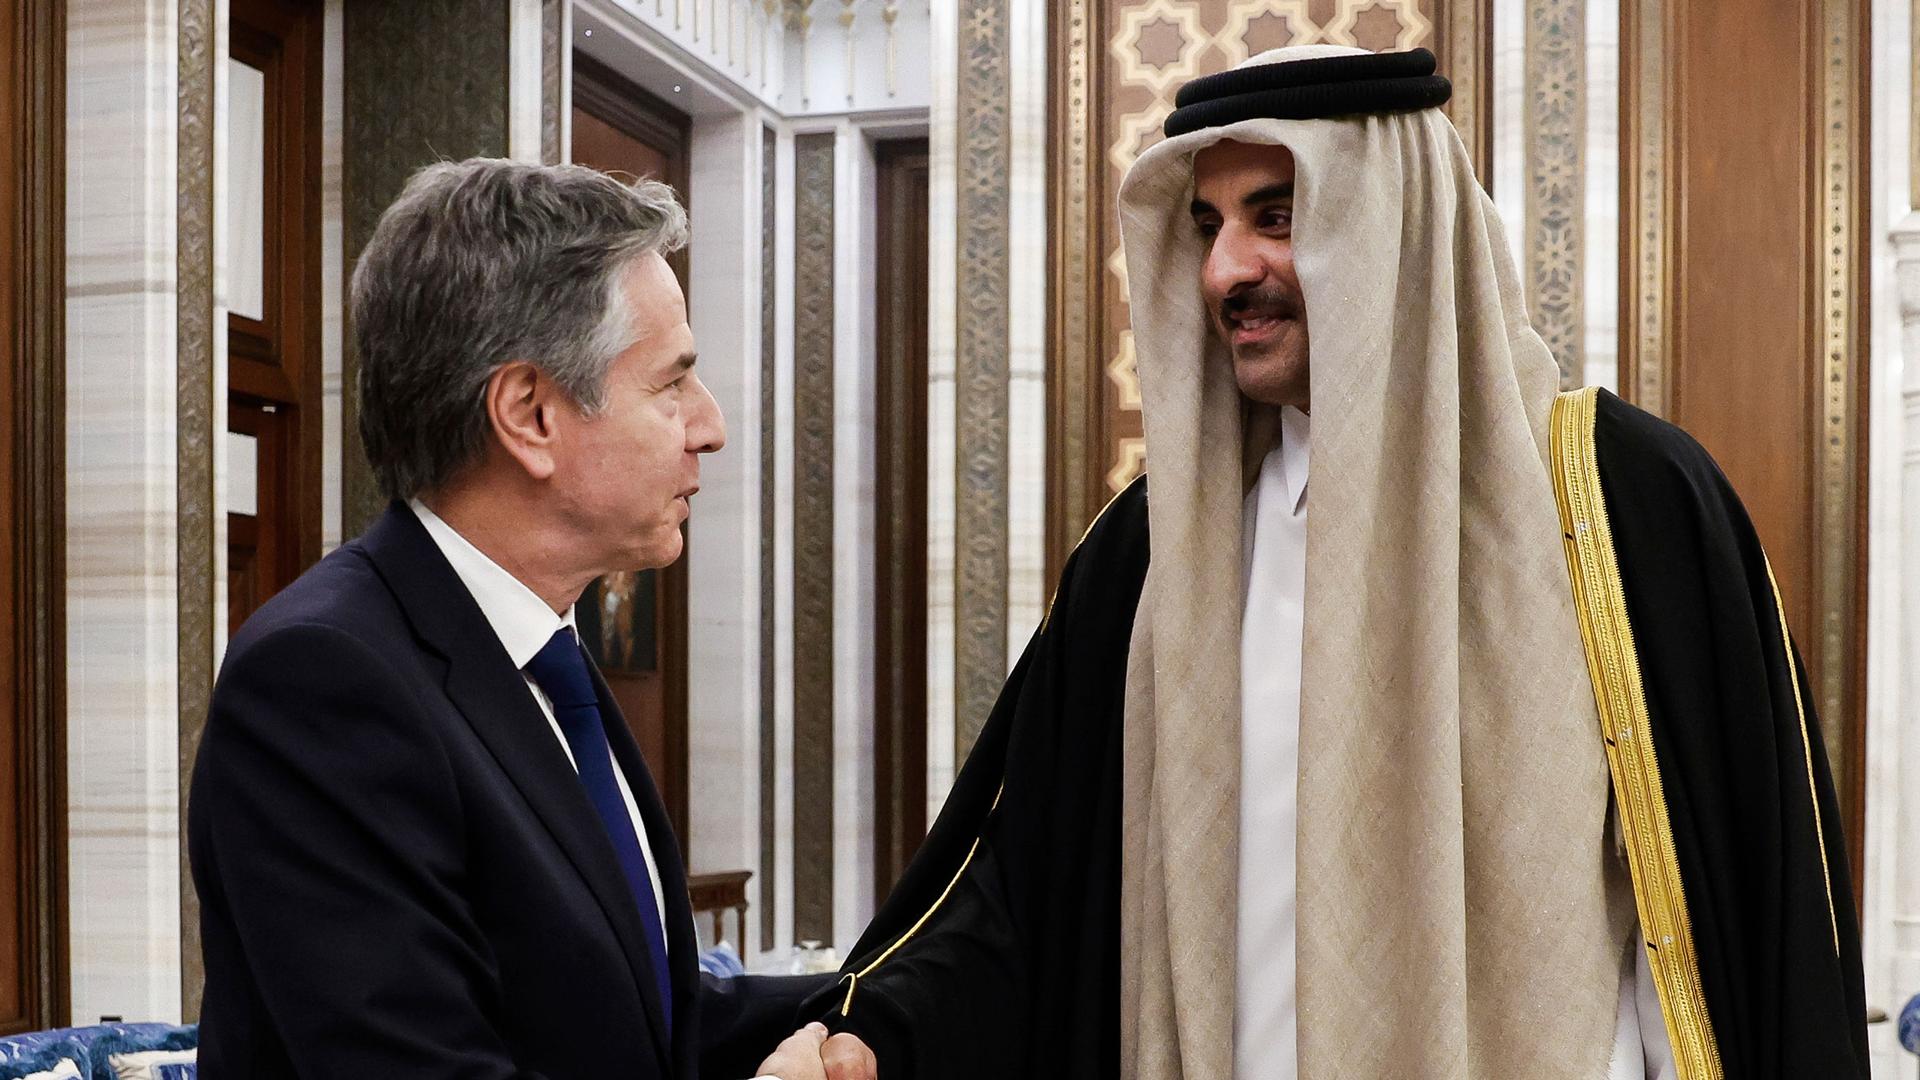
x=1274 y=583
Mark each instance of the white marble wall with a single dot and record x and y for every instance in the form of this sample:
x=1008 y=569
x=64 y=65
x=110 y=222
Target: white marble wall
x=739 y=42
x=723 y=638
x=1027 y=292
x=848 y=61
x=855 y=364
x=1509 y=174
x=776 y=883
x=943 y=247
x=1601 y=236
x=122 y=734
x=523 y=80
x=1891 y=922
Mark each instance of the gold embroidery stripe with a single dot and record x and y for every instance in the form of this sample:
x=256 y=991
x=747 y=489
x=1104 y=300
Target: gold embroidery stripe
x=1614 y=667
x=853 y=978
x=1806 y=747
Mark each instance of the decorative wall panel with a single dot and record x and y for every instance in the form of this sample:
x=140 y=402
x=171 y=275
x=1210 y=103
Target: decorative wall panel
x=1118 y=64
x=1556 y=139
x=768 y=492
x=196 y=401
x=984 y=163
x=425 y=81
x=553 y=54
x=813 y=554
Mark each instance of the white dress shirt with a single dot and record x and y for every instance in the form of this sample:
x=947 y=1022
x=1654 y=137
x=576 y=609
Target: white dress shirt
x=1274 y=581
x=524 y=624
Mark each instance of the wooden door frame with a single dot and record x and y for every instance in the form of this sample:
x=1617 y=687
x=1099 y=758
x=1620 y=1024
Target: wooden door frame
x=900 y=523
x=275 y=360
x=619 y=101
x=33 y=193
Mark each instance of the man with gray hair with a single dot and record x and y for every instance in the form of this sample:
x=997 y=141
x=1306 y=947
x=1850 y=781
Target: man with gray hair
x=425 y=843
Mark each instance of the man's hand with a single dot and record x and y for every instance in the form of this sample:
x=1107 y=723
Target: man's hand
x=808 y=1054
x=847 y=1058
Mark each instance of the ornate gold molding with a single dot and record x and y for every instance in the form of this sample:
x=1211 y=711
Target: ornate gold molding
x=1074 y=423
x=1646 y=118
x=1839 y=518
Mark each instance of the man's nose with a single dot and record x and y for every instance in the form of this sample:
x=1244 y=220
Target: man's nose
x=707 y=429
x=1231 y=263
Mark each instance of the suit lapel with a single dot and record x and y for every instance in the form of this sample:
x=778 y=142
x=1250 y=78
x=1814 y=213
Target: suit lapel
x=493 y=696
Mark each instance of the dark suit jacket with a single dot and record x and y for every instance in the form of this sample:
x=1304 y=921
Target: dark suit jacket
x=400 y=874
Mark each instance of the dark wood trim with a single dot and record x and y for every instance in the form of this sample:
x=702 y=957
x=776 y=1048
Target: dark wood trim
x=276 y=360
x=620 y=101
x=900 y=514
x=32 y=356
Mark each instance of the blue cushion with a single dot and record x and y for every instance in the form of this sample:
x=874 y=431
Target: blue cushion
x=108 y=1039
x=38 y=1051
x=89 y=1048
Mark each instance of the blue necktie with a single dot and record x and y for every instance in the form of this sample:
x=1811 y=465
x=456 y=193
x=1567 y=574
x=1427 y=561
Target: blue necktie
x=561 y=670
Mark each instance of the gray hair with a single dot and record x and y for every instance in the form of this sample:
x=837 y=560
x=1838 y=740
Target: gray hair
x=479 y=263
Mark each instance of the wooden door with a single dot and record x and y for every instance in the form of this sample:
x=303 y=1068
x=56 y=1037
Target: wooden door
x=900 y=520
x=33 y=918
x=273 y=299
x=635 y=622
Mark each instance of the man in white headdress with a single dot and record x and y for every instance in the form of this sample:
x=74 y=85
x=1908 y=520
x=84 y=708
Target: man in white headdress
x=1497 y=764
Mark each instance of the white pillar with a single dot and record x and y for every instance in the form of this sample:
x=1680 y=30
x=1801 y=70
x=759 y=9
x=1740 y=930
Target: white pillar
x=123 y=878
x=723 y=570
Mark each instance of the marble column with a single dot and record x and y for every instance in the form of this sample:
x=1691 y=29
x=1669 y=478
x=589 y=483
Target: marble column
x=123 y=662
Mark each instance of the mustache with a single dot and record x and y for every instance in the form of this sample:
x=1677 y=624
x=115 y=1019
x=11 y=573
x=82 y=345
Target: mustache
x=1265 y=300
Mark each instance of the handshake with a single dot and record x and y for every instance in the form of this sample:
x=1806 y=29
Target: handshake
x=811 y=1054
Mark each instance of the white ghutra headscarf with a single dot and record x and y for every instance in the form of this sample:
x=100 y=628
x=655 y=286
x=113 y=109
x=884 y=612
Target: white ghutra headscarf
x=1453 y=881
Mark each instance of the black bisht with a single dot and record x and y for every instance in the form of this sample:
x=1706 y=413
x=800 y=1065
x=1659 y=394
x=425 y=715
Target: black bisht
x=998 y=952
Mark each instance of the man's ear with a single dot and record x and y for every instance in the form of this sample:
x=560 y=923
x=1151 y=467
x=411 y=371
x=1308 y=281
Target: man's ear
x=521 y=405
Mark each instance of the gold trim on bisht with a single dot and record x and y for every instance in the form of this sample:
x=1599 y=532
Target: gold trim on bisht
x=1806 y=747
x=1614 y=667
x=852 y=978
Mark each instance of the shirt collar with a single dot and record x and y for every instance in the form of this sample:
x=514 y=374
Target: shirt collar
x=520 y=619
x=1296 y=444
